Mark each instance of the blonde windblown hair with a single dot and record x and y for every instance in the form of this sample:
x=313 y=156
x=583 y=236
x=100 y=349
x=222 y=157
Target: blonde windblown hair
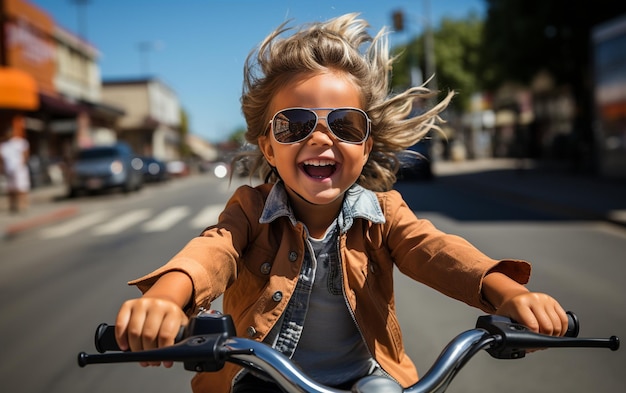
x=340 y=44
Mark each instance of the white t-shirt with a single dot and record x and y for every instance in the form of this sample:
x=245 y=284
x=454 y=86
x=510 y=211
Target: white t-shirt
x=12 y=153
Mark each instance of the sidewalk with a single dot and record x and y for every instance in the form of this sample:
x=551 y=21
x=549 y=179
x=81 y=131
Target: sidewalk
x=47 y=205
x=576 y=196
x=544 y=186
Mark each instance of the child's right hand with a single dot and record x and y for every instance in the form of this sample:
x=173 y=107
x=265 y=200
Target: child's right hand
x=148 y=323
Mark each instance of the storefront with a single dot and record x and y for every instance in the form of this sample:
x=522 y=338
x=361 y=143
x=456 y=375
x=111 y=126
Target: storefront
x=55 y=112
x=27 y=68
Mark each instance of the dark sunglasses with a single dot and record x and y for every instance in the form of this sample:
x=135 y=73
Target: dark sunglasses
x=293 y=125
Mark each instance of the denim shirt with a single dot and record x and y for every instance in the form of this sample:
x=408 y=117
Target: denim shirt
x=358 y=203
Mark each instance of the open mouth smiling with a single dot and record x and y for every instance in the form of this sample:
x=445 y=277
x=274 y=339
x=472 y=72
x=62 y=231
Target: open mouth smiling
x=319 y=169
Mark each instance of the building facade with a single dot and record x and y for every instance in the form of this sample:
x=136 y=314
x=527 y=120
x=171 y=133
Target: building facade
x=51 y=87
x=152 y=119
x=58 y=79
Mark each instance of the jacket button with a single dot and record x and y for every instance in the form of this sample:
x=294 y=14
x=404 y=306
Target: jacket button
x=266 y=268
x=293 y=256
x=277 y=296
x=251 y=331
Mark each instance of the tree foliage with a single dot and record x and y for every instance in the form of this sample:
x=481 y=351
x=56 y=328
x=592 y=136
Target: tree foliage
x=457 y=58
x=524 y=37
x=517 y=40
x=185 y=151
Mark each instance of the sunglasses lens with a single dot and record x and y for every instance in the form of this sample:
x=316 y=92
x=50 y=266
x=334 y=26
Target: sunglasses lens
x=296 y=124
x=349 y=125
x=293 y=125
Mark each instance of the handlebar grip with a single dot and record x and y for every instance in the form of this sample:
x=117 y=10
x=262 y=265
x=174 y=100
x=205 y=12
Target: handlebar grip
x=573 y=325
x=104 y=339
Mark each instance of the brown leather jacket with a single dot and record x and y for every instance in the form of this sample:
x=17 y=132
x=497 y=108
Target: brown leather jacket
x=256 y=267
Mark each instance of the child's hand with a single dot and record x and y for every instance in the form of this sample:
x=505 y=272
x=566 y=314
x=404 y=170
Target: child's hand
x=539 y=312
x=148 y=323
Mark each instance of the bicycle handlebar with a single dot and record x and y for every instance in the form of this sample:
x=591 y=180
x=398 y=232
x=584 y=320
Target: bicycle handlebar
x=209 y=340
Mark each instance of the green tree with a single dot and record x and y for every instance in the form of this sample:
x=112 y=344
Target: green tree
x=523 y=37
x=456 y=48
x=238 y=136
x=185 y=151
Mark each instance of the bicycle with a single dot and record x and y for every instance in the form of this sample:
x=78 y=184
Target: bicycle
x=209 y=341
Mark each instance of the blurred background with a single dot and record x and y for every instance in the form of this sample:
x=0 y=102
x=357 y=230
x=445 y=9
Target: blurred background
x=143 y=95
x=537 y=79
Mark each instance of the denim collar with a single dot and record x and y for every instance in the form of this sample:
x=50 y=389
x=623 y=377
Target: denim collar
x=358 y=202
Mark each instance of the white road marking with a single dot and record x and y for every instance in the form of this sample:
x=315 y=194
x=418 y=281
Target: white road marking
x=207 y=216
x=73 y=226
x=167 y=219
x=122 y=222
x=104 y=224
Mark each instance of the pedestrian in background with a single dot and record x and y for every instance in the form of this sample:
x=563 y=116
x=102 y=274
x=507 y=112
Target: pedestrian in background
x=14 y=152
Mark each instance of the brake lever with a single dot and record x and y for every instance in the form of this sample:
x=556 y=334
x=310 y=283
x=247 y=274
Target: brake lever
x=513 y=339
x=199 y=353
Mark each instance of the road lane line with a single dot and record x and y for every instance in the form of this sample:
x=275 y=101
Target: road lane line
x=167 y=219
x=122 y=222
x=73 y=226
x=207 y=216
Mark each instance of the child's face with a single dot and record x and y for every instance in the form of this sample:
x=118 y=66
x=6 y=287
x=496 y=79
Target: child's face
x=320 y=168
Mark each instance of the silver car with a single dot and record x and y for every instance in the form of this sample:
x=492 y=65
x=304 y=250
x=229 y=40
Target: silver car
x=104 y=167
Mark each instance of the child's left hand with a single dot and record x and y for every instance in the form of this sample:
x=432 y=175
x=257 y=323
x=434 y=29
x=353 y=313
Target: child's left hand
x=539 y=312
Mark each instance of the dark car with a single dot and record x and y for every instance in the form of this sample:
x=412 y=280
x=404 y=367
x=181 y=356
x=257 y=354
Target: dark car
x=415 y=162
x=153 y=169
x=104 y=167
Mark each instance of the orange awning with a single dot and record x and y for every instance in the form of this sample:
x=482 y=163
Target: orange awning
x=18 y=90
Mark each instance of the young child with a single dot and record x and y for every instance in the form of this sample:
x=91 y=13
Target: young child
x=305 y=261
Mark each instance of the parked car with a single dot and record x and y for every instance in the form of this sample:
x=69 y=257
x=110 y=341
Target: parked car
x=415 y=162
x=154 y=170
x=104 y=167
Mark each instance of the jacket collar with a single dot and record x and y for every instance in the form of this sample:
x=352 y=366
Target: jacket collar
x=358 y=203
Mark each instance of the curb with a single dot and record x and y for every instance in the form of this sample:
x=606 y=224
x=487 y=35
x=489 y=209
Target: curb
x=14 y=230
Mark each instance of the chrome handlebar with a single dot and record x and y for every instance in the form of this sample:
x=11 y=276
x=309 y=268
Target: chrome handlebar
x=209 y=341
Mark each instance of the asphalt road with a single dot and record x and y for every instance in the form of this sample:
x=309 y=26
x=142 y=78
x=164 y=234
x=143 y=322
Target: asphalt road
x=59 y=282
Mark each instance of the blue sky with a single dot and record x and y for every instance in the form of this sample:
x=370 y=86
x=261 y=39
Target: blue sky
x=198 y=47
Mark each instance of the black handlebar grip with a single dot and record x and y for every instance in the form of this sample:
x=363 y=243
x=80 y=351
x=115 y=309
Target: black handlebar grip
x=573 y=326
x=105 y=338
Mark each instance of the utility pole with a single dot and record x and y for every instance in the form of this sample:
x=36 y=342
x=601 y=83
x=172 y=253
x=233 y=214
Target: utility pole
x=81 y=18
x=144 y=48
x=400 y=24
x=429 y=49
x=415 y=72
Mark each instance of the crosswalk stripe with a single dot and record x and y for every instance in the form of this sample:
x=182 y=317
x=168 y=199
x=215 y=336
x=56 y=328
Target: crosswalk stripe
x=121 y=223
x=73 y=226
x=167 y=219
x=207 y=216
x=104 y=223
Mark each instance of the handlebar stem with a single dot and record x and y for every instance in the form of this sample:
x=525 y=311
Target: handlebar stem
x=274 y=364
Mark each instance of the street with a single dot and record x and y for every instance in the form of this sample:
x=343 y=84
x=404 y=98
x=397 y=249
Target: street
x=59 y=282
